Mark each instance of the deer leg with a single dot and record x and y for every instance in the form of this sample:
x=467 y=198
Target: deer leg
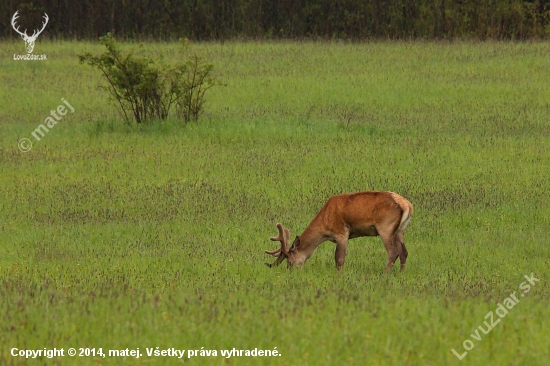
x=340 y=254
x=391 y=245
x=403 y=253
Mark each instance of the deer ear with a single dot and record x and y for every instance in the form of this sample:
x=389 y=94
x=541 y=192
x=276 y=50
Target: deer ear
x=296 y=243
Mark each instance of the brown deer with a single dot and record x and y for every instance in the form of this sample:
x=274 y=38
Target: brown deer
x=349 y=216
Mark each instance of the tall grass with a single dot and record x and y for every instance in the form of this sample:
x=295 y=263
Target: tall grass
x=121 y=237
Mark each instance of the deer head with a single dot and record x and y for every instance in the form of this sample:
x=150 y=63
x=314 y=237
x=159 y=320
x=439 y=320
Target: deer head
x=292 y=254
x=29 y=40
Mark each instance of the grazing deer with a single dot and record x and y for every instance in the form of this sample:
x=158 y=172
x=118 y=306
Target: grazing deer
x=349 y=216
x=29 y=40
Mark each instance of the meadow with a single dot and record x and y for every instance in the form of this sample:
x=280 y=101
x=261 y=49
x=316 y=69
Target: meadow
x=115 y=236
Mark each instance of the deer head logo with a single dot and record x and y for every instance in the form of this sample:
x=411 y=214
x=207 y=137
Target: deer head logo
x=29 y=40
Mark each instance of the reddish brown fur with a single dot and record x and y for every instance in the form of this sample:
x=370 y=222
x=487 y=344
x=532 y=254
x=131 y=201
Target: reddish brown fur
x=348 y=216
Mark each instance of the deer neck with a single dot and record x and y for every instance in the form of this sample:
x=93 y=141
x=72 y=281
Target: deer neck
x=310 y=240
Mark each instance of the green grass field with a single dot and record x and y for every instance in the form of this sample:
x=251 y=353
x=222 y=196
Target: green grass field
x=119 y=237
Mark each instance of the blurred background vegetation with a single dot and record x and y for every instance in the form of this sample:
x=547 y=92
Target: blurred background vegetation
x=268 y=19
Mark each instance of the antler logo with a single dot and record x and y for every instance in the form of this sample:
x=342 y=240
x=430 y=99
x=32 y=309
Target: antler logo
x=29 y=40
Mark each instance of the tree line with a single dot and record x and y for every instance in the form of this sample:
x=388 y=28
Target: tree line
x=282 y=19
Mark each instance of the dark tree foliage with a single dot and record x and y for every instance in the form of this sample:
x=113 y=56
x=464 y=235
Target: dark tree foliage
x=264 y=19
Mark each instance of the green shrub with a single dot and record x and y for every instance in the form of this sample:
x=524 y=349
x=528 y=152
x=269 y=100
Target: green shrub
x=195 y=79
x=146 y=89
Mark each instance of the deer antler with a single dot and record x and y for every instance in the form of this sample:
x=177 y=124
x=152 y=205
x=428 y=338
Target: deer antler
x=35 y=35
x=24 y=34
x=282 y=252
x=13 y=21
